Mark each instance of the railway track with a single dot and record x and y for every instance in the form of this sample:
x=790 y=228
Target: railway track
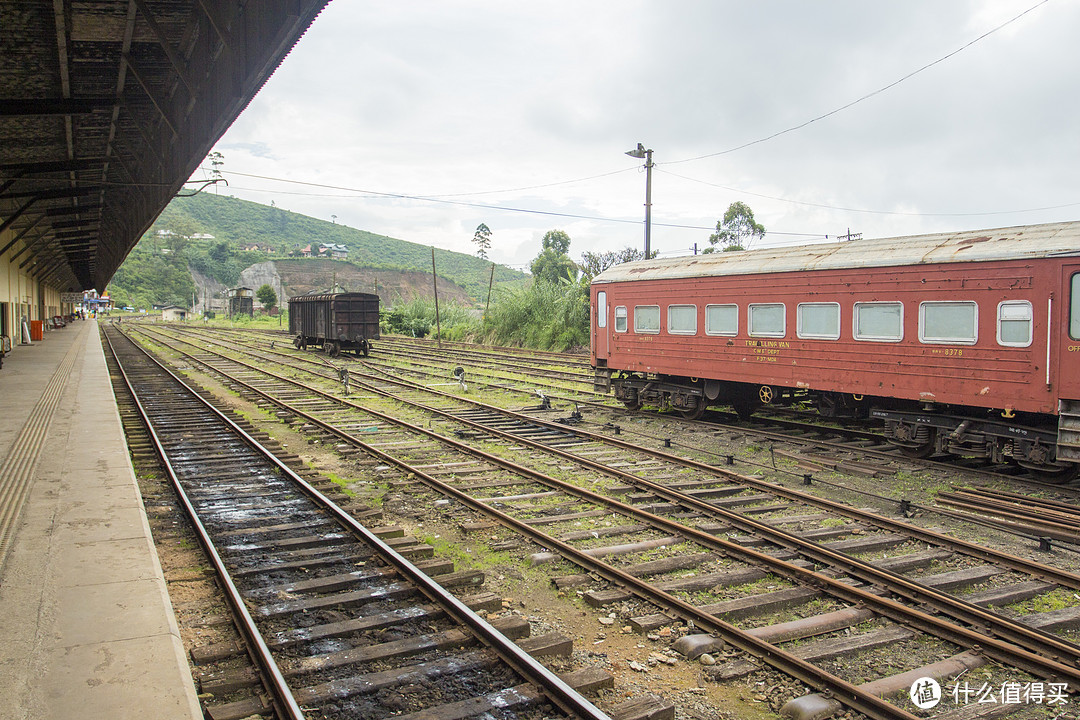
x=728 y=530
x=338 y=622
x=774 y=424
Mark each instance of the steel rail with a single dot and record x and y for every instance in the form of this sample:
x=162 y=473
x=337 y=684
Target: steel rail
x=561 y=694
x=493 y=382
x=1040 y=570
x=783 y=661
x=1052 y=647
x=287 y=707
x=853 y=697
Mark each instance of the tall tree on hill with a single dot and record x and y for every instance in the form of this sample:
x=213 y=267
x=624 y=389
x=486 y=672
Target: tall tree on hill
x=482 y=239
x=216 y=161
x=737 y=226
x=553 y=264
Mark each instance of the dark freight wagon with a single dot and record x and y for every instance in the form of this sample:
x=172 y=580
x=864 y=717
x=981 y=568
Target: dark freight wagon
x=336 y=321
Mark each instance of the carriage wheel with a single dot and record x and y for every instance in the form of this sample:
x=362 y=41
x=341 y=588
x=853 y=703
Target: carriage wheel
x=332 y=348
x=744 y=407
x=921 y=449
x=697 y=412
x=1054 y=474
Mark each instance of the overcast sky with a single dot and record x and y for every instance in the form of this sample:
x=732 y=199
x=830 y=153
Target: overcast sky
x=495 y=107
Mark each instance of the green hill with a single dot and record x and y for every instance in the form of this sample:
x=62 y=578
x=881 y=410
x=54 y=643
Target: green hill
x=157 y=270
x=241 y=223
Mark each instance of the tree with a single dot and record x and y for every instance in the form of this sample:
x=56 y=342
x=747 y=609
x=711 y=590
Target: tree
x=216 y=161
x=592 y=264
x=220 y=252
x=553 y=264
x=266 y=295
x=482 y=240
x=556 y=240
x=738 y=225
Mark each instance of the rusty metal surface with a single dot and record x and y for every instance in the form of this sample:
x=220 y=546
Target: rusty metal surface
x=106 y=109
x=1022 y=242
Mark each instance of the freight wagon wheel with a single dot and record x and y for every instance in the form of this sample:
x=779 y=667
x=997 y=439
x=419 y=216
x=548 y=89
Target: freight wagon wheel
x=299 y=343
x=634 y=404
x=332 y=348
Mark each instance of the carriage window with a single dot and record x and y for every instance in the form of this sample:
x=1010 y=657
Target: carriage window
x=646 y=318
x=820 y=321
x=620 y=318
x=682 y=319
x=765 y=320
x=948 y=322
x=601 y=309
x=721 y=319
x=1074 y=307
x=1014 y=323
x=879 y=321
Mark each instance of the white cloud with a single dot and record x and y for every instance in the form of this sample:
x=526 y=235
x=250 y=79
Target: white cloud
x=425 y=98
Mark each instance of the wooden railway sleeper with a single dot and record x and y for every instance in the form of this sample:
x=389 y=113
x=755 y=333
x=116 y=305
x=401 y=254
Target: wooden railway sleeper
x=1004 y=650
x=809 y=673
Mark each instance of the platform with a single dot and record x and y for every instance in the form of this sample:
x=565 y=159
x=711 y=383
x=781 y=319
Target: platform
x=86 y=626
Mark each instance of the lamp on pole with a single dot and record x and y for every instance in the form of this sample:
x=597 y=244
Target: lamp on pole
x=640 y=152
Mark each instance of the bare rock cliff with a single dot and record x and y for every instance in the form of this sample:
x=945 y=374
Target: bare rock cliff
x=395 y=287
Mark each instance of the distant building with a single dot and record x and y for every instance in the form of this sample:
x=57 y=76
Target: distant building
x=338 y=252
x=174 y=313
x=241 y=302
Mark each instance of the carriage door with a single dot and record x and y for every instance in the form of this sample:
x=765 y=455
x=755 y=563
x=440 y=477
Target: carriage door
x=1068 y=367
x=601 y=330
x=1068 y=351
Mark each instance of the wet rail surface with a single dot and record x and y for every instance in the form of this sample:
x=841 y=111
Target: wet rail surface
x=814 y=569
x=339 y=623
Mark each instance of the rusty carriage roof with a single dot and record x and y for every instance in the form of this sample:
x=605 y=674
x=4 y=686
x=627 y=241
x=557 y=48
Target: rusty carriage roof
x=1013 y=243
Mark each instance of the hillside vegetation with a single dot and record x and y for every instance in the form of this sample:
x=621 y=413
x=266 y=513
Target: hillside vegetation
x=240 y=224
x=548 y=310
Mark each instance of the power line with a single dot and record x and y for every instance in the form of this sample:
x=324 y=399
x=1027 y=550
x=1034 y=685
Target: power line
x=862 y=210
x=533 y=187
x=859 y=100
x=352 y=192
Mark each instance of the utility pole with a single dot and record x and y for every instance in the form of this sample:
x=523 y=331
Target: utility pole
x=640 y=152
x=435 y=287
x=850 y=236
x=491 y=279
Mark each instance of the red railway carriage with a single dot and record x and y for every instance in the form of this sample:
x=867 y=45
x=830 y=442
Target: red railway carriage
x=961 y=342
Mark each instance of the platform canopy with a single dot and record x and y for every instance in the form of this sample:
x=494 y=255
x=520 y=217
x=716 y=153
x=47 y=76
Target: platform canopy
x=108 y=106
